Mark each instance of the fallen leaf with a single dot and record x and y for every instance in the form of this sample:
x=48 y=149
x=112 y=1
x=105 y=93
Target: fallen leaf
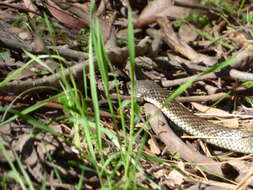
x=228 y=122
x=160 y=8
x=187 y=34
x=154 y=148
x=209 y=110
x=30 y=5
x=176 y=177
x=65 y=18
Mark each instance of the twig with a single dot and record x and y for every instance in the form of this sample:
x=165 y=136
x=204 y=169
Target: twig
x=241 y=75
x=233 y=73
x=182 y=47
x=52 y=80
x=58 y=106
x=193 y=6
x=244 y=92
x=21 y=9
x=212 y=97
x=169 y=83
x=174 y=144
x=245 y=181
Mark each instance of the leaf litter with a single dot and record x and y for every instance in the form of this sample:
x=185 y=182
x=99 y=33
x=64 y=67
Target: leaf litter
x=175 y=40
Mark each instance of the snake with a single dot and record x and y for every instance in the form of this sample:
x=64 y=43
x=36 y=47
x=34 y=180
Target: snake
x=233 y=139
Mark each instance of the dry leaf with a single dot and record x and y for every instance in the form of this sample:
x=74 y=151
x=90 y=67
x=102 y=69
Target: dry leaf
x=231 y=122
x=176 y=178
x=209 y=110
x=187 y=34
x=160 y=8
x=63 y=17
x=29 y=4
x=154 y=148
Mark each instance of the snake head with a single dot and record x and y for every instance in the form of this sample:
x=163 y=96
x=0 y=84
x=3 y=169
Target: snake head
x=138 y=91
x=143 y=87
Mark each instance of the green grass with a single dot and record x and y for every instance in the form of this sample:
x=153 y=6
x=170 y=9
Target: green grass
x=200 y=20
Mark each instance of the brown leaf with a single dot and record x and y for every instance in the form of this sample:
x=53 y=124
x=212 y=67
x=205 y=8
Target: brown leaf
x=65 y=18
x=159 y=8
x=187 y=34
x=154 y=148
x=209 y=110
x=231 y=122
x=30 y=5
x=175 y=178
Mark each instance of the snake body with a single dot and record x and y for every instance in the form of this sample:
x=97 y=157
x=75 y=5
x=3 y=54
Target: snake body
x=228 y=138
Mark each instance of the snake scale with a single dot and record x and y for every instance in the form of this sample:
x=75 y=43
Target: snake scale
x=228 y=138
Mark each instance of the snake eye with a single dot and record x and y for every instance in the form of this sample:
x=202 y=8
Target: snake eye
x=138 y=90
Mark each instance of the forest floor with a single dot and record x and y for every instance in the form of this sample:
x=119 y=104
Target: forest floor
x=68 y=120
